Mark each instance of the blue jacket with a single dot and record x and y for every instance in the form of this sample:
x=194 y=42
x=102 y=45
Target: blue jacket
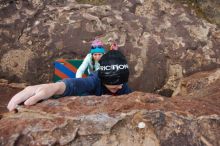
x=90 y=86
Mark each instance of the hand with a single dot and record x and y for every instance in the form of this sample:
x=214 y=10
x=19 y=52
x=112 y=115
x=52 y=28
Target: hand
x=32 y=94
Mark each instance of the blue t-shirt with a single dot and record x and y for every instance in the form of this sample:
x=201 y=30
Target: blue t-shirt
x=91 y=85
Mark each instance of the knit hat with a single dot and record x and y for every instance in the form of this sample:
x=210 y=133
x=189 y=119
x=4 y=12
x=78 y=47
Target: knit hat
x=97 y=47
x=113 y=68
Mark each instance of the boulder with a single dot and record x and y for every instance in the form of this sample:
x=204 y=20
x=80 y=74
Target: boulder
x=163 y=41
x=141 y=119
x=189 y=118
x=7 y=90
x=201 y=84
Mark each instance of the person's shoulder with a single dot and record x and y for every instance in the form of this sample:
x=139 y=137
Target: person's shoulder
x=94 y=79
x=89 y=55
x=126 y=89
x=94 y=74
x=125 y=85
x=87 y=58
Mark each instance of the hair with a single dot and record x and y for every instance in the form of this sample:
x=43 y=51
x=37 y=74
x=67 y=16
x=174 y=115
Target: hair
x=93 y=63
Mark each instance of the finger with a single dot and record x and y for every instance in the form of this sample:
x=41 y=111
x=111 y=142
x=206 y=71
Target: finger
x=19 y=98
x=35 y=98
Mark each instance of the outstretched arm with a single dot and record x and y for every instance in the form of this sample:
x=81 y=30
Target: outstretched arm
x=81 y=86
x=83 y=66
x=32 y=94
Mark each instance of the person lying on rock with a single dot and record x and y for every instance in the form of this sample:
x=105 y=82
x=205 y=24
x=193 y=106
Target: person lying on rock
x=111 y=78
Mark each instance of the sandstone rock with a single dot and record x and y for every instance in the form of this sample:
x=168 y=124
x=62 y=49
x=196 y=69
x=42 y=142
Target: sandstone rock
x=183 y=55
x=112 y=120
x=197 y=85
x=6 y=92
x=3 y=81
x=207 y=9
x=200 y=84
x=164 y=41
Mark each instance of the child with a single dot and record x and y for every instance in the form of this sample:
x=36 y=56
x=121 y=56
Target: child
x=91 y=60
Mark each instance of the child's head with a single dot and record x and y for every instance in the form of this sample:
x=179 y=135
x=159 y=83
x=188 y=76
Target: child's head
x=97 y=56
x=97 y=50
x=113 y=70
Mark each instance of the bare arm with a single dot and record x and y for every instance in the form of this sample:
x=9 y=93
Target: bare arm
x=83 y=66
x=32 y=94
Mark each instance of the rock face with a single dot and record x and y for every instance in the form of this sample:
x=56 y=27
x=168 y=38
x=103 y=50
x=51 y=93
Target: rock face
x=211 y=10
x=208 y=9
x=7 y=90
x=190 y=118
x=199 y=85
x=137 y=119
x=163 y=40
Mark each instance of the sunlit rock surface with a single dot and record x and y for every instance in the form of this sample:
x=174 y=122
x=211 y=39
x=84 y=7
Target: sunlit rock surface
x=207 y=9
x=137 y=119
x=201 y=84
x=163 y=41
x=7 y=90
x=189 y=118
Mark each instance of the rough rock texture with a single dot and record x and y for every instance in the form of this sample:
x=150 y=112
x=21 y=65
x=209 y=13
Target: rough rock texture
x=7 y=90
x=199 y=85
x=208 y=9
x=179 y=36
x=191 y=118
x=163 y=40
x=137 y=119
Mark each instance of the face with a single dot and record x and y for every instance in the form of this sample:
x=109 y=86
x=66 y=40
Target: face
x=97 y=56
x=113 y=88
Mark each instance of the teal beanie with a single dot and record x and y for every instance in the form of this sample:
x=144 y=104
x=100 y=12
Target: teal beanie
x=97 y=50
